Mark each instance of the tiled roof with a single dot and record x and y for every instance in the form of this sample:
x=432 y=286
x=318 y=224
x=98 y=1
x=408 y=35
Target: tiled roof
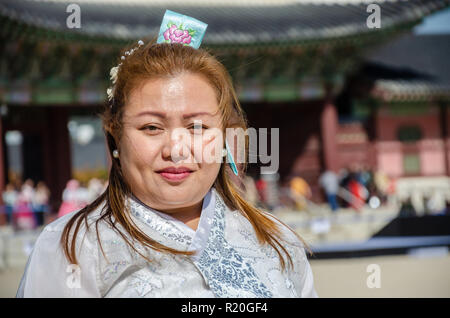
x=410 y=90
x=422 y=54
x=230 y=22
x=420 y=64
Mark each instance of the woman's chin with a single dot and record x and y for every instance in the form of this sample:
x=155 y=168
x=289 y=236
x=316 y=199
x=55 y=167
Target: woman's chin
x=179 y=194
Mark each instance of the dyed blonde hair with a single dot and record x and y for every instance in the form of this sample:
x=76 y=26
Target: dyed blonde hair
x=162 y=60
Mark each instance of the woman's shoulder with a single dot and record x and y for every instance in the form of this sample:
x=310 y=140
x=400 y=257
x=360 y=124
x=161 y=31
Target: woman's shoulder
x=48 y=270
x=240 y=230
x=60 y=223
x=288 y=234
x=300 y=273
x=51 y=234
x=49 y=243
x=241 y=234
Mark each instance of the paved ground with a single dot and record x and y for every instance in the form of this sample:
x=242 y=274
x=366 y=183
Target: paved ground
x=400 y=276
x=424 y=274
x=9 y=281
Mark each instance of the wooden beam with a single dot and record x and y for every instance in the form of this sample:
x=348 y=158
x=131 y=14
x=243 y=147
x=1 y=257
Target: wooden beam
x=329 y=129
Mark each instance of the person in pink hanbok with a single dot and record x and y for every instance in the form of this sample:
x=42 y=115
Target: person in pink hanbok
x=70 y=198
x=23 y=214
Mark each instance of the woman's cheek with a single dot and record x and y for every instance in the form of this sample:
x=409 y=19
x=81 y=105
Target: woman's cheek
x=211 y=146
x=142 y=150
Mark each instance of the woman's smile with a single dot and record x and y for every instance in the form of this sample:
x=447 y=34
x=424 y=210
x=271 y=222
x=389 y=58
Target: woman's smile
x=175 y=174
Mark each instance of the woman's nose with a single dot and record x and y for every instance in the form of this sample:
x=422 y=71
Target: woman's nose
x=177 y=146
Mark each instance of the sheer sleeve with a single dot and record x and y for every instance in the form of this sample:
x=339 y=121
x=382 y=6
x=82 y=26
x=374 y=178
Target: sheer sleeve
x=49 y=274
x=307 y=290
x=301 y=274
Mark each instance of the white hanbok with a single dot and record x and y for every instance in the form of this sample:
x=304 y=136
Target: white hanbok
x=229 y=261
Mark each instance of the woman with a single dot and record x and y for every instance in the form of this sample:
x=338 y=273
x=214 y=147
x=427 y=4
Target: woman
x=10 y=196
x=168 y=225
x=70 y=198
x=40 y=203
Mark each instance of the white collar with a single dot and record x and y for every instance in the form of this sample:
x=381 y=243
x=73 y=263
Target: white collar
x=199 y=237
x=226 y=272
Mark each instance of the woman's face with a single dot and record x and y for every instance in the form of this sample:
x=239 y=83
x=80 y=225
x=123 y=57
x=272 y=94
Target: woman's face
x=170 y=125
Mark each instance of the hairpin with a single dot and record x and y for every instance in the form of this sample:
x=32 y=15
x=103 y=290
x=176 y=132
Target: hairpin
x=178 y=28
x=114 y=70
x=230 y=159
x=175 y=28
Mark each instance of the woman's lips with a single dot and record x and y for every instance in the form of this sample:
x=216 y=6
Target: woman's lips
x=175 y=174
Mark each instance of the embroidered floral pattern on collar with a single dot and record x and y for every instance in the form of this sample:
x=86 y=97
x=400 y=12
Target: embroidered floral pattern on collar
x=161 y=225
x=227 y=273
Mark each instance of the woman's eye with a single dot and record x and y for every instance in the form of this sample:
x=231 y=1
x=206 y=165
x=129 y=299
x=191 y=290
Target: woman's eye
x=151 y=128
x=198 y=127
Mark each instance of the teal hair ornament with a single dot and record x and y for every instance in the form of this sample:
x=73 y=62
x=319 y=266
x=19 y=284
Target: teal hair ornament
x=179 y=28
x=230 y=159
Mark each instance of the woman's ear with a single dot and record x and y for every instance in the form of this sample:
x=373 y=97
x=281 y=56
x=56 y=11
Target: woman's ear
x=234 y=121
x=111 y=140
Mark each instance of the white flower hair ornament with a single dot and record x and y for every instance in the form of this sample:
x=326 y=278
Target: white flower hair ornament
x=175 y=28
x=113 y=74
x=115 y=70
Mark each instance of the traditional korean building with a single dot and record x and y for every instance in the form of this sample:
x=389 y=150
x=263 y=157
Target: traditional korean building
x=297 y=65
x=408 y=99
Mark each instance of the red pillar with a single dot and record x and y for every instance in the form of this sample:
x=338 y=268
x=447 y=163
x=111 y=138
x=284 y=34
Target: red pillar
x=57 y=154
x=329 y=130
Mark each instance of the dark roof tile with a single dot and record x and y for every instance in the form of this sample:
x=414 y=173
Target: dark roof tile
x=227 y=24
